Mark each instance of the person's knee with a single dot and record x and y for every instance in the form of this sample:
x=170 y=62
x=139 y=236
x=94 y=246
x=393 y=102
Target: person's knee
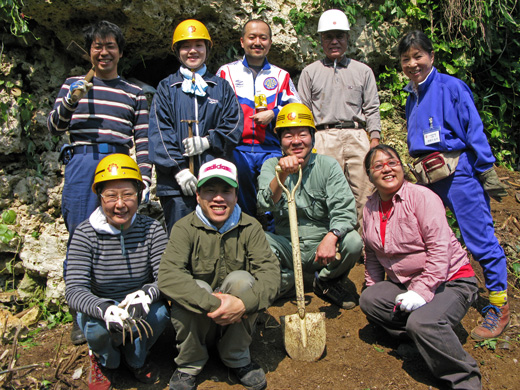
x=352 y=244
x=366 y=301
x=237 y=282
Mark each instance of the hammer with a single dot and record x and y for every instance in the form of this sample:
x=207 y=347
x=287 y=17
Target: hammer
x=190 y=134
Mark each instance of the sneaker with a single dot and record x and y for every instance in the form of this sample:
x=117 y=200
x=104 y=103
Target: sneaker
x=495 y=323
x=252 y=376
x=98 y=379
x=149 y=373
x=182 y=381
x=333 y=291
x=76 y=335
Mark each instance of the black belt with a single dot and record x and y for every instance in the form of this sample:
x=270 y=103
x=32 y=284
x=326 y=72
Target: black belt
x=101 y=148
x=342 y=125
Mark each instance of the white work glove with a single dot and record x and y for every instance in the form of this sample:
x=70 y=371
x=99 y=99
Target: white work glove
x=136 y=304
x=82 y=87
x=195 y=145
x=409 y=301
x=114 y=317
x=145 y=193
x=187 y=181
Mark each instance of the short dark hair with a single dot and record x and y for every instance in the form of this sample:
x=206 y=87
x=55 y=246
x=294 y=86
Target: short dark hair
x=257 y=20
x=386 y=149
x=416 y=39
x=102 y=30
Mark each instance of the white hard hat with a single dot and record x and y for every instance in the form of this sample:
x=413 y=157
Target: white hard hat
x=333 y=19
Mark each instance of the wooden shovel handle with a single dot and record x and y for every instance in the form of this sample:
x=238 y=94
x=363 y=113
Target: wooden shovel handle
x=295 y=241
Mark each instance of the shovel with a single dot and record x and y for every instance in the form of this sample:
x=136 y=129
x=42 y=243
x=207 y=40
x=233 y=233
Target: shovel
x=305 y=334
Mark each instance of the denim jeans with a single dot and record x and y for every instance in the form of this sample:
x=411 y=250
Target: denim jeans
x=108 y=346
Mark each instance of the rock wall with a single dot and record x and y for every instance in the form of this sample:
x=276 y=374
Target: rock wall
x=33 y=69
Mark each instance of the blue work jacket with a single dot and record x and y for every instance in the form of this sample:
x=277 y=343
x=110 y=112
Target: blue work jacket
x=219 y=118
x=446 y=103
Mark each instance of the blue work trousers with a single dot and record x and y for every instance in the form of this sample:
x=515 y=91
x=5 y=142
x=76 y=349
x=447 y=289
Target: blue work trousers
x=108 y=346
x=464 y=195
x=248 y=166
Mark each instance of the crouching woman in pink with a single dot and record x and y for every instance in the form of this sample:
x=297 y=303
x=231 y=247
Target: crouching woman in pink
x=419 y=281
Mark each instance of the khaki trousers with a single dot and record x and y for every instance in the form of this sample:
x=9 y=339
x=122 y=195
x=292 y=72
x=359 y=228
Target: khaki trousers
x=349 y=147
x=195 y=332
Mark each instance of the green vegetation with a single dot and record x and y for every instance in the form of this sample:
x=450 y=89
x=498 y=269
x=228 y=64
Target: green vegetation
x=10 y=12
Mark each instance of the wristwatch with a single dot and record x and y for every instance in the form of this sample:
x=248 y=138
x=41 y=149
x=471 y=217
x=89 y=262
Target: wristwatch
x=336 y=232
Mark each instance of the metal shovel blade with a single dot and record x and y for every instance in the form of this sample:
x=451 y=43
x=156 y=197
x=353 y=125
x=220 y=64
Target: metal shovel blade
x=305 y=334
x=310 y=347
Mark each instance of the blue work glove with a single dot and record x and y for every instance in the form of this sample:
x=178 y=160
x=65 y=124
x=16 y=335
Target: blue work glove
x=409 y=301
x=145 y=193
x=78 y=90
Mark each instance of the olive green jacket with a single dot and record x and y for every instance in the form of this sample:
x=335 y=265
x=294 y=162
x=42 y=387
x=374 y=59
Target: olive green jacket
x=197 y=251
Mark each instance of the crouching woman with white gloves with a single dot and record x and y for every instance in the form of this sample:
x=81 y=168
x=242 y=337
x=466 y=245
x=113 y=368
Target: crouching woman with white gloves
x=419 y=281
x=111 y=278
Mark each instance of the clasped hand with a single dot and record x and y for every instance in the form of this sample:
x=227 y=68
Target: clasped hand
x=230 y=311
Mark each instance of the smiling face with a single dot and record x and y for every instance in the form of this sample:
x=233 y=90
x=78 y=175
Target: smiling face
x=297 y=141
x=417 y=64
x=256 y=42
x=334 y=44
x=217 y=199
x=387 y=180
x=120 y=212
x=105 y=55
x=192 y=53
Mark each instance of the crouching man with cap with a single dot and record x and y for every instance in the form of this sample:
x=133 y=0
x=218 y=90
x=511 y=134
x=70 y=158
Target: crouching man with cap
x=219 y=272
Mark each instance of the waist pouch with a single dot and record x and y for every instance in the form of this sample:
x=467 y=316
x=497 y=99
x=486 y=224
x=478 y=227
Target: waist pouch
x=435 y=166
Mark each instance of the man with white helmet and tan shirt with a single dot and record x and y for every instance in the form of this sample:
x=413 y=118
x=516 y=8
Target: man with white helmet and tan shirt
x=342 y=95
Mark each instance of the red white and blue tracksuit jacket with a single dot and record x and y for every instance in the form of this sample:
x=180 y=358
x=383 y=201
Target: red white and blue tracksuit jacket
x=278 y=88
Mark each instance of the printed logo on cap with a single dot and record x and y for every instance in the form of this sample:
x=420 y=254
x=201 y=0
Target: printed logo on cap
x=192 y=29
x=291 y=116
x=218 y=166
x=270 y=83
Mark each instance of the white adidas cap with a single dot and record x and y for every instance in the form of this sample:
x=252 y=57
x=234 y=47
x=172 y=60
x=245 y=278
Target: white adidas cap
x=219 y=168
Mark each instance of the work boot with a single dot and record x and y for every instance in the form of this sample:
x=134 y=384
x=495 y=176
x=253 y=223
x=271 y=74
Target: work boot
x=333 y=291
x=98 y=379
x=252 y=376
x=149 y=373
x=76 y=335
x=495 y=323
x=182 y=381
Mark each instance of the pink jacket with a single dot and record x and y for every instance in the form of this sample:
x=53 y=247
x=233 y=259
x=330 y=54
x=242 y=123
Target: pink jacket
x=421 y=251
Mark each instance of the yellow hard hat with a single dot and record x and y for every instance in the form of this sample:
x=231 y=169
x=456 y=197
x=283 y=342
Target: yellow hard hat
x=117 y=167
x=190 y=29
x=294 y=115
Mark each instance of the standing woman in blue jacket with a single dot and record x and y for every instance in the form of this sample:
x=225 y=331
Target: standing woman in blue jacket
x=442 y=117
x=191 y=94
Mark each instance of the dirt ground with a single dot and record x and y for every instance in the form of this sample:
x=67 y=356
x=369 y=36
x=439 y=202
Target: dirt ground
x=358 y=355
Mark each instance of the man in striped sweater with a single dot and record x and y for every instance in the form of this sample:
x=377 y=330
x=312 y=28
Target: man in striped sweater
x=113 y=263
x=107 y=115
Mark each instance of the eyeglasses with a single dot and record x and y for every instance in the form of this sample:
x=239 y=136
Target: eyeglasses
x=390 y=163
x=98 y=47
x=112 y=198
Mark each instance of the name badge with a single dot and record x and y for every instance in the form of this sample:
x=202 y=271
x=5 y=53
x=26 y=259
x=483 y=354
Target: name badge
x=432 y=135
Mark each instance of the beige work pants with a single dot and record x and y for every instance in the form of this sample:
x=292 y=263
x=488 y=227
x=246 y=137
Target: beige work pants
x=349 y=147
